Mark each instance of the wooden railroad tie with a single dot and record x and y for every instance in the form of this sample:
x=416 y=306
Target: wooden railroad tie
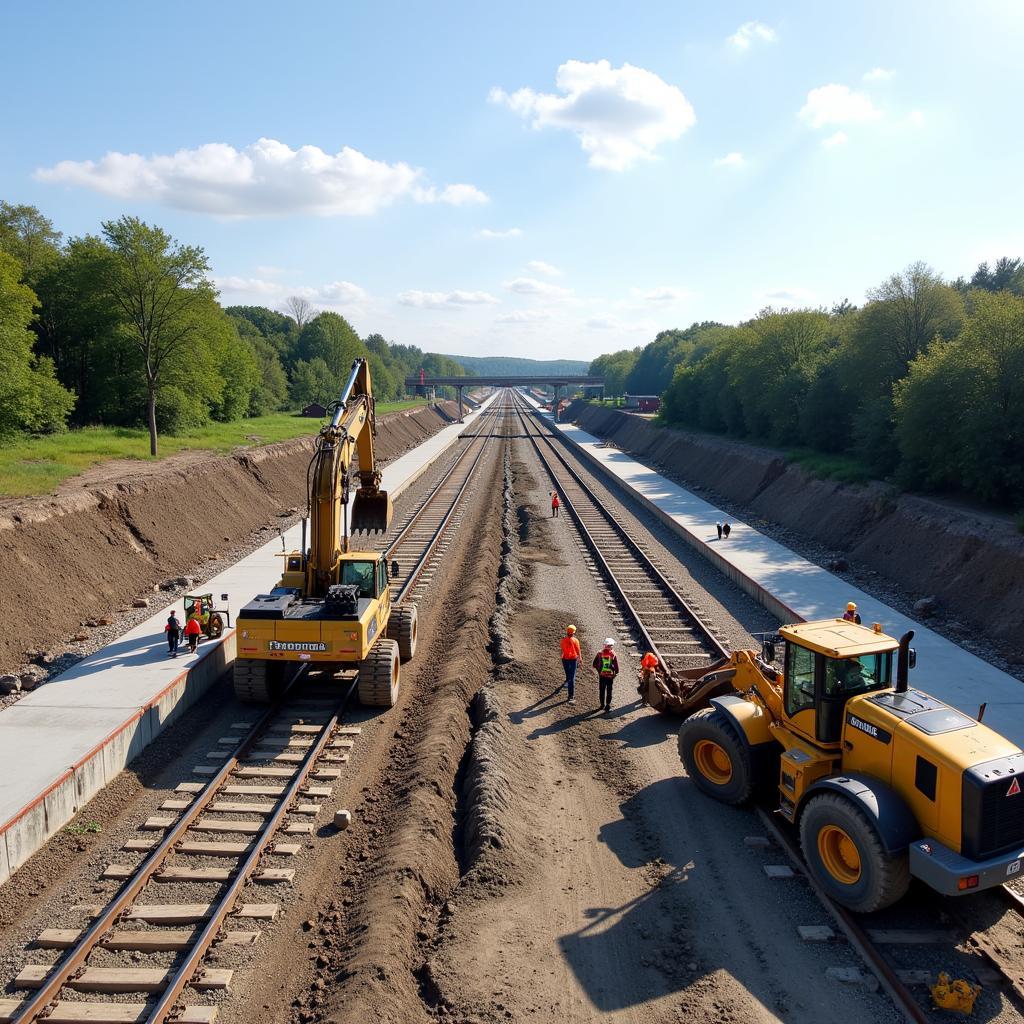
x=156 y=941
x=124 y=979
x=66 y=1012
x=183 y=913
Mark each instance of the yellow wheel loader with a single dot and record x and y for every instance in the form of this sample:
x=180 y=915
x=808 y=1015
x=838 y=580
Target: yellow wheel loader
x=332 y=605
x=883 y=782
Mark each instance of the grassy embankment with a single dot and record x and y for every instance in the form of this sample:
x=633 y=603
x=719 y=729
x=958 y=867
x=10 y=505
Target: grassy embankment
x=37 y=465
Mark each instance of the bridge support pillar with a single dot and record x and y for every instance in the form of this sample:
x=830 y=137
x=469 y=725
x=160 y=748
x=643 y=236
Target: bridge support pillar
x=554 y=405
x=458 y=388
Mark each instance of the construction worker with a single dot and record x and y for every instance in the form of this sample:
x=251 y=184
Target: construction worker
x=554 y=504
x=607 y=667
x=571 y=658
x=851 y=613
x=649 y=662
x=192 y=631
x=173 y=630
x=726 y=530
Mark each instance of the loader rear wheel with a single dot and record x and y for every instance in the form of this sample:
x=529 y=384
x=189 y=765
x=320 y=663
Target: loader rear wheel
x=216 y=627
x=846 y=858
x=403 y=628
x=377 y=684
x=715 y=758
x=258 y=682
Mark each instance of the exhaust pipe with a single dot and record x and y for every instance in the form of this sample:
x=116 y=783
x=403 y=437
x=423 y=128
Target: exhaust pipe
x=903 y=662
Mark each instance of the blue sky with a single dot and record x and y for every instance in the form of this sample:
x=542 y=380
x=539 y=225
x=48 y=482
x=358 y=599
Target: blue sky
x=548 y=180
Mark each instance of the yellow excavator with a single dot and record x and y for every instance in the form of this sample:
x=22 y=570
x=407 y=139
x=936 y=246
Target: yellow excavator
x=331 y=608
x=883 y=781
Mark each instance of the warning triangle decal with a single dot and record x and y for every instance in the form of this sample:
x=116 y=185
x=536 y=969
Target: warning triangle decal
x=1014 y=788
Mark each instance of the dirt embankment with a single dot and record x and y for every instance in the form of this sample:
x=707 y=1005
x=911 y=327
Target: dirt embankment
x=972 y=563
x=114 y=533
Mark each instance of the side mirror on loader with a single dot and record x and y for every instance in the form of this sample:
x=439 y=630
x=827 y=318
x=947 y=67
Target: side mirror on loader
x=394 y=570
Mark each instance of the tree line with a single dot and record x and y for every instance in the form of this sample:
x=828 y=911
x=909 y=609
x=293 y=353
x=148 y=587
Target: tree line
x=922 y=385
x=124 y=328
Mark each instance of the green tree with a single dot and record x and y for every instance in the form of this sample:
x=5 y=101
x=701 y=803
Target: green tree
x=313 y=381
x=31 y=398
x=1006 y=275
x=615 y=367
x=330 y=337
x=161 y=289
x=30 y=238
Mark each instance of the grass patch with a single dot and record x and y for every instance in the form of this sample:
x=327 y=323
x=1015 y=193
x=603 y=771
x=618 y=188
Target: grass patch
x=843 y=468
x=37 y=465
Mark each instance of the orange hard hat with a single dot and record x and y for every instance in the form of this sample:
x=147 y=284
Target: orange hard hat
x=570 y=628
x=851 y=606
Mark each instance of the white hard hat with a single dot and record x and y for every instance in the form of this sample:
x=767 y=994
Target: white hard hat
x=609 y=641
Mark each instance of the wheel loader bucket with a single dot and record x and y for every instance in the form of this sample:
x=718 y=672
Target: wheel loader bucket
x=371 y=511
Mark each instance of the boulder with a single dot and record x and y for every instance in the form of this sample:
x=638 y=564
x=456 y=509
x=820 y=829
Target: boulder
x=106 y=620
x=926 y=606
x=342 y=820
x=9 y=684
x=140 y=602
x=31 y=676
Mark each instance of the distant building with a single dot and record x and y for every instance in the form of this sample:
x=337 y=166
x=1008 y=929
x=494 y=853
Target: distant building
x=315 y=411
x=643 y=403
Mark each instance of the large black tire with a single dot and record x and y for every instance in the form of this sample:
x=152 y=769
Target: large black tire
x=715 y=758
x=378 y=680
x=216 y=627
x=403 y=628
x=846 y=858
x=258 y=682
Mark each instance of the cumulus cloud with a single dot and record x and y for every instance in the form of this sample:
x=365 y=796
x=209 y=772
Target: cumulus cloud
x=878 y=75
x=531 y=286
x=263 y=179
x=664 y=293
x=751 y=32
x=446 y=300
x=523 y=316
x=334 y=293
x=730 y=160
x=491 y=233
x=838 y=104
x=540 y=267
x=620 y=115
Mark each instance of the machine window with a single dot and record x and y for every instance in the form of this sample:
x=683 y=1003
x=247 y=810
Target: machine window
x=799 y=679
x=926 y=775
x=845 y=677
x=359 y=574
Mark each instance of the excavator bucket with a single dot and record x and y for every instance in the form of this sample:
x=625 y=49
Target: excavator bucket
x=371 y=511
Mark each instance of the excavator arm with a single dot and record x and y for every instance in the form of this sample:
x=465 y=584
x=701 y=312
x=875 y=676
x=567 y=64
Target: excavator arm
x=350 y=432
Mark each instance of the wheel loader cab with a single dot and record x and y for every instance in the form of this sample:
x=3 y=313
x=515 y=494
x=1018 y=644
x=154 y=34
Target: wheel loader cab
x=820 y=681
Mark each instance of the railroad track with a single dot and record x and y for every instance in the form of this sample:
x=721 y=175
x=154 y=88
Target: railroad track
x=265 y=784
x=423 y=533
x=667 y=624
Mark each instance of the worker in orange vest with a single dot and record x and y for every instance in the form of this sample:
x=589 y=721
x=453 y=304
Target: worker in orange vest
x=571 y=658
x=554 y=504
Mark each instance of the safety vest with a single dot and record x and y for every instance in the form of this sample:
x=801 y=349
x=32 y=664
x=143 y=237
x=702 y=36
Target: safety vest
x=570 y=648
x=607 y=664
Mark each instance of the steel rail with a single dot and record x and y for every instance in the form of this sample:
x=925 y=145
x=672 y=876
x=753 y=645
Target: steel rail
x=226 y=903
x=901 y=996
x=421 y=561
x=30 y=1010
x=637 y=552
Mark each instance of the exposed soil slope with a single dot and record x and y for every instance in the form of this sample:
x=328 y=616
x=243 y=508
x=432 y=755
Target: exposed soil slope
x=970 y=561
x=116 y=532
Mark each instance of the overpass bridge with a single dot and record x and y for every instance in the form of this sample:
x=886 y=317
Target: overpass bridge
x=556 y=381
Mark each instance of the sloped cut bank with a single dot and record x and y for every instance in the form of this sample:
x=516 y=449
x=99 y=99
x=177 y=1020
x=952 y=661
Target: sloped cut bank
x=82 y=555
x=971 y=562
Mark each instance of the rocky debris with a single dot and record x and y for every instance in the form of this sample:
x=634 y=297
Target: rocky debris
x=9 y=683
x=31 y=676
x=175 y=582
x=105 y=620
x=926 y=607
x=837 y=565
x=342 y=820
x=79 y=638
x=140 y=602
x=287 y=513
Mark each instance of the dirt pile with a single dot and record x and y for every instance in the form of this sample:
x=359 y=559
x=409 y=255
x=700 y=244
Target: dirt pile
x=113 y=534
x=971 y=562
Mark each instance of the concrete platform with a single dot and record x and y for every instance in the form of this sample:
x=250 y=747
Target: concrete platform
x=64 y=742
x=795 y=589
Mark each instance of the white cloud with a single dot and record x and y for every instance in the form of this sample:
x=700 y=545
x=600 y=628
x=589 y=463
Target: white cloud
x=270 y=271
x=523 y=316
x=603 y=323
x=730 y=160
x=664 y=293
x=531 y=286
x=786 y=297
x=264 y=179
x=751 y=32
x=540 y=267
x=916 y=117
x=335 y=293
x=878 y=75
x=446 y=300
x=490 y=233
x=620 y=115
x=836 y=139
x=838 y=104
